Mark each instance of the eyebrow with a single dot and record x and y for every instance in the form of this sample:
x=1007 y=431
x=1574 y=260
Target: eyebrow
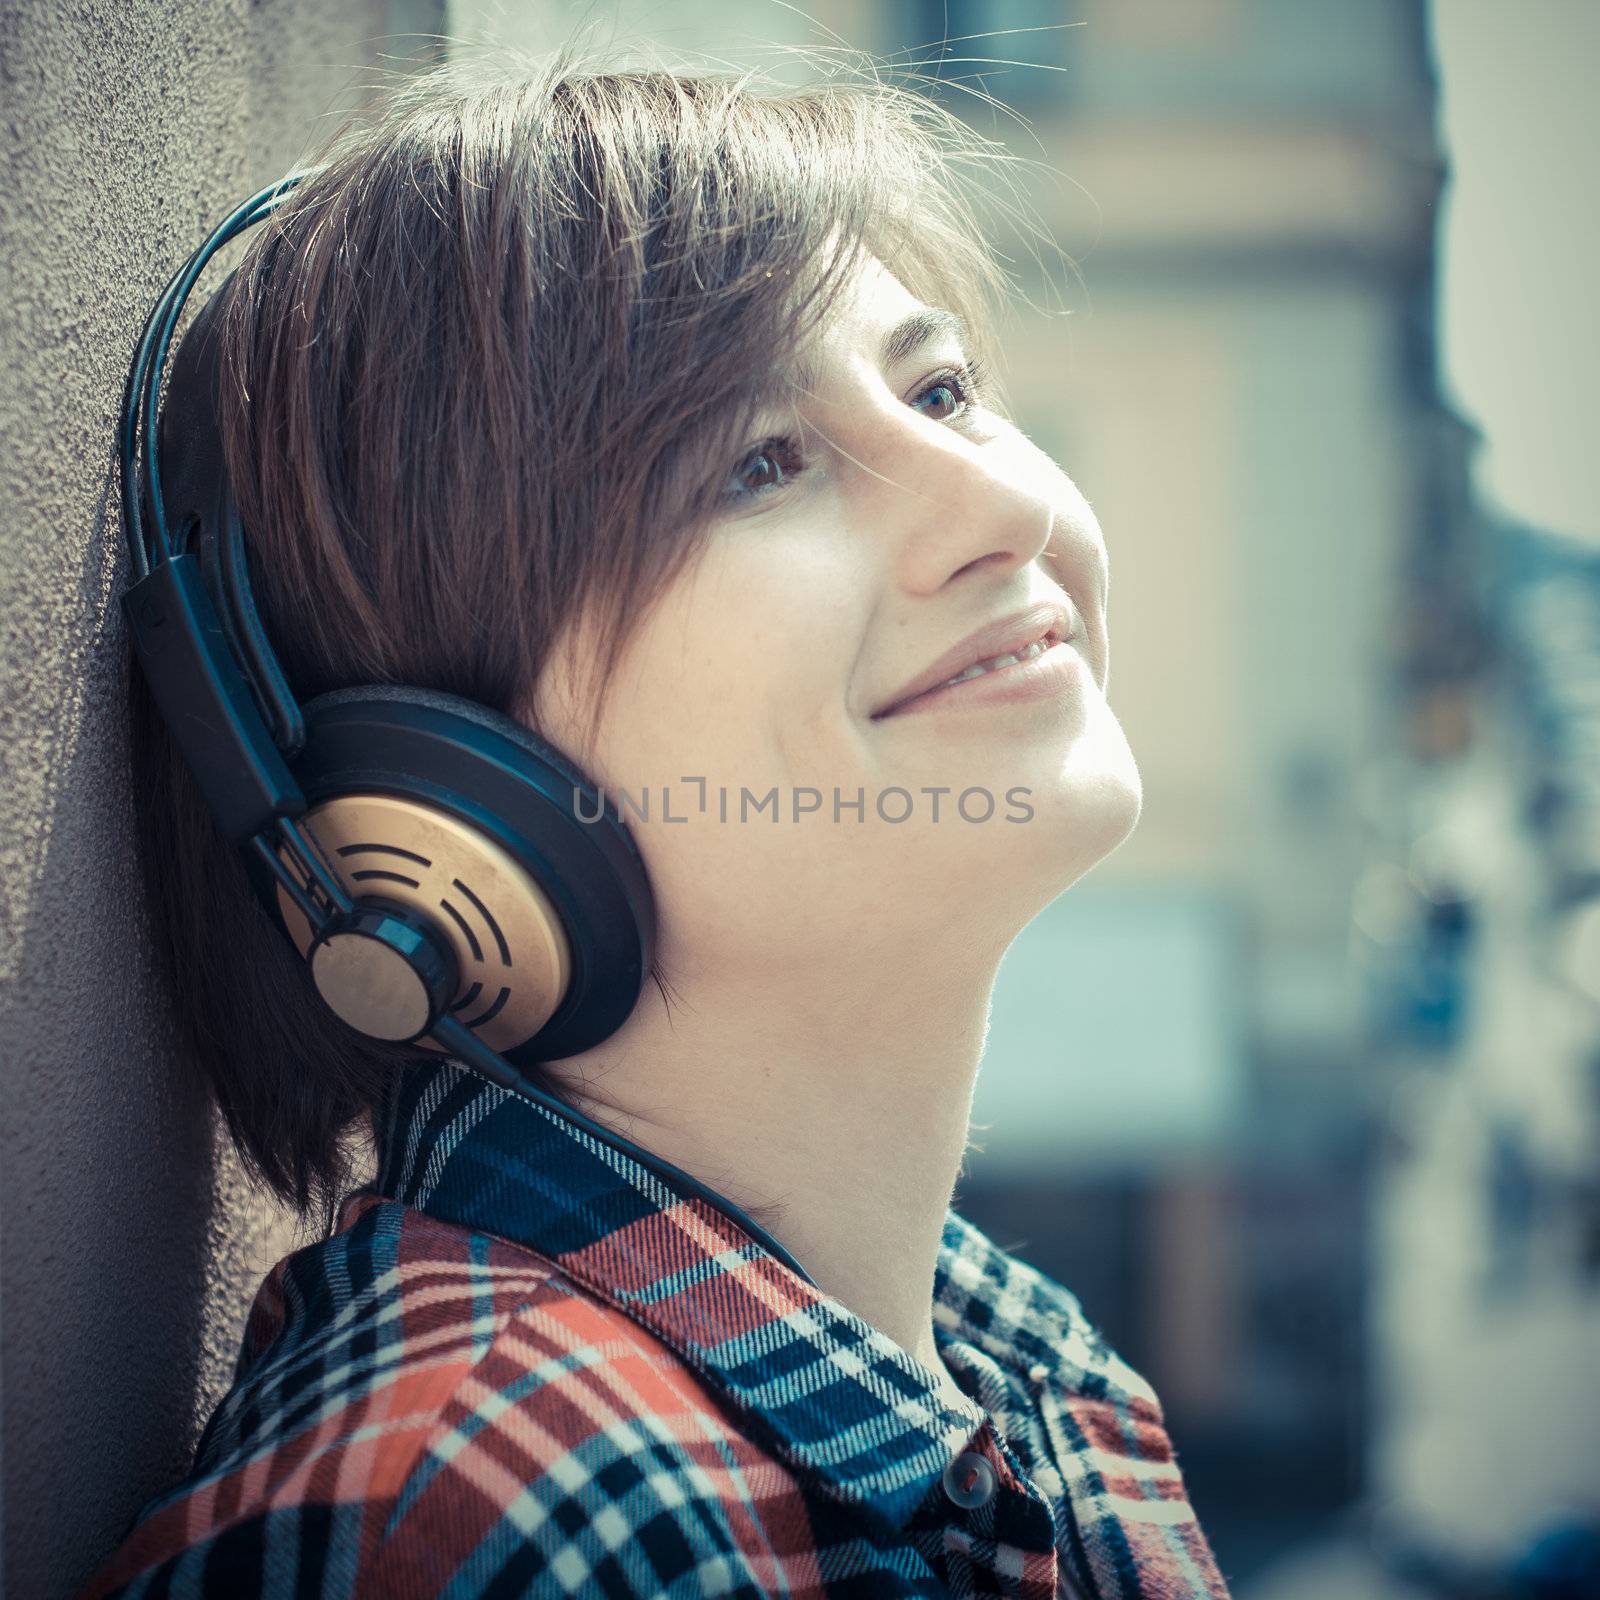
x=921 y=328
x=910 y=334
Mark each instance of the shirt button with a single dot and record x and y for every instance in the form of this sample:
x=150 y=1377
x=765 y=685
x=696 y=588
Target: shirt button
x=969 y=1480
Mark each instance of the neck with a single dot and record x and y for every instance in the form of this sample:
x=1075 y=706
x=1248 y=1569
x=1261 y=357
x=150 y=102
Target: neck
x=840 y=1126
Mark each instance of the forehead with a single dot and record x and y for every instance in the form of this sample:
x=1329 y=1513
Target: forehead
x=874 y=301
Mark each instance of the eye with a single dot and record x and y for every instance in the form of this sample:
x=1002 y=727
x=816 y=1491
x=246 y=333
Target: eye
x=947 y=396
x=768 y=466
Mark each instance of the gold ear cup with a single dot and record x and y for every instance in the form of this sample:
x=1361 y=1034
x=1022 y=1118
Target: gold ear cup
x=509 y=945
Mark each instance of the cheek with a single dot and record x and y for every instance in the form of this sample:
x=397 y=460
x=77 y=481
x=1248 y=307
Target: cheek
x=780 y=620
x=742 y=673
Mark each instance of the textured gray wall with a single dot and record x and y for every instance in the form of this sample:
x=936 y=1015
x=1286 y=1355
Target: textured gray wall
x=130 y=1244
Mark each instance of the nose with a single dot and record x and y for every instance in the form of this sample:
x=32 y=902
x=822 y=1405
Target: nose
x=950 y=505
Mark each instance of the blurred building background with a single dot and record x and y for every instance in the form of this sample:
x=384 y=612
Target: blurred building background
x=1298 y=1092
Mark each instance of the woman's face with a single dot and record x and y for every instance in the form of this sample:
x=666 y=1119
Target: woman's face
x=802 y=812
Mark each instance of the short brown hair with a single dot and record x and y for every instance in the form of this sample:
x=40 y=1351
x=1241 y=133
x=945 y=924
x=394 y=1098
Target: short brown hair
x=484 y=372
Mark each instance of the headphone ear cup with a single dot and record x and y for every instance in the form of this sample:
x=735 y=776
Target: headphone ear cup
x=463 y=815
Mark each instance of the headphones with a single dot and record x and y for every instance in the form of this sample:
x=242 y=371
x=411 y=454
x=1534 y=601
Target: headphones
x=422 y=852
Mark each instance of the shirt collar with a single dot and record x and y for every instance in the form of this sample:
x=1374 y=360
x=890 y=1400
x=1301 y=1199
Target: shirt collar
x=843 y=1402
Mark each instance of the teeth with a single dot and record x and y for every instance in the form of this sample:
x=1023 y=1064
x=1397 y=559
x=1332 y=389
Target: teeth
x=978 y=668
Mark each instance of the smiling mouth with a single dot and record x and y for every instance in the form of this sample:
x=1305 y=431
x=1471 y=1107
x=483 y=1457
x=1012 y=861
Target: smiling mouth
x=1050 y=635
x=981 y=669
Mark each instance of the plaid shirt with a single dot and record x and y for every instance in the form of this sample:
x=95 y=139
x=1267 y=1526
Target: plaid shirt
x=523 y=1365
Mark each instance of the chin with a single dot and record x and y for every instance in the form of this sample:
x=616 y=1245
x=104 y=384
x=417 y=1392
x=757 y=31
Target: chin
x=1082 y=811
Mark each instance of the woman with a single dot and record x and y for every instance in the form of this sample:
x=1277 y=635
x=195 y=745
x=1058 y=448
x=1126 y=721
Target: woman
x=649 y=409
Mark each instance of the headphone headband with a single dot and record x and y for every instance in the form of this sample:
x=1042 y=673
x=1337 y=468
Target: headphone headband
x=143 y=387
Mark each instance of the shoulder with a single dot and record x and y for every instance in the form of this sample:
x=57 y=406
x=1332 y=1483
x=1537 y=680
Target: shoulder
x=422 y=1408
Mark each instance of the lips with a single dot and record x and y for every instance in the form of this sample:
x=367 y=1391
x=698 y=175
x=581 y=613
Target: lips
x=1047 y=620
